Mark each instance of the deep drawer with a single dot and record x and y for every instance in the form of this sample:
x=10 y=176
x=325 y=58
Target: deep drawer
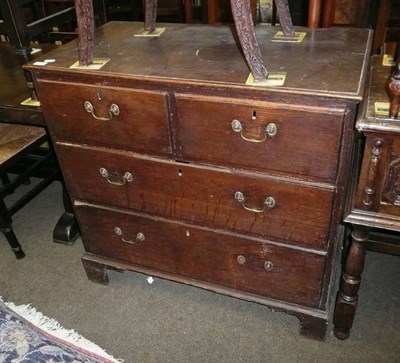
x=272 y=208
x=261 y=135
x=117 y=118
x=201 y=254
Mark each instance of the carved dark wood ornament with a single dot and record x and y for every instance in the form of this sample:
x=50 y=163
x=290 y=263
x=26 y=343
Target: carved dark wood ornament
x=85 y=19
x=243 y=22
x=372 y=175
x=394 y=92
x=285 y=20
x=392 y=187
x=245 y=29
x=150 y=15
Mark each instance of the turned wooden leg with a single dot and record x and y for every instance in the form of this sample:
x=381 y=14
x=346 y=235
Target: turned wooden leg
x=95 y=271
x=6 y=229
x=347 y=298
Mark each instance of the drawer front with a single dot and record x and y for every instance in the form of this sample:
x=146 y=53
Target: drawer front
x=261 y=135
x=106 y=116
x=201 y=254
x=270 y=208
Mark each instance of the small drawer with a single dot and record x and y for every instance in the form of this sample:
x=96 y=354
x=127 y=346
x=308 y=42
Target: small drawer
x=261 y=206
x=106 y=116
x=202 y=254
x=300 y=140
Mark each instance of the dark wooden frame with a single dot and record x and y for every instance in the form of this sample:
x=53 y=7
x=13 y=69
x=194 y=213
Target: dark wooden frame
x=20 y=32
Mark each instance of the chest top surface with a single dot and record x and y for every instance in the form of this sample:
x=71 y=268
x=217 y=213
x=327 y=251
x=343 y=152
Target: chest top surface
x=328 y=62
x=375 y=116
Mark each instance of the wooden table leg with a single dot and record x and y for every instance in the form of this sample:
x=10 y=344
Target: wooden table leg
x=6 y=228
x=347 y=298
x=212 y=12
x=314 y=14
x=188 y=11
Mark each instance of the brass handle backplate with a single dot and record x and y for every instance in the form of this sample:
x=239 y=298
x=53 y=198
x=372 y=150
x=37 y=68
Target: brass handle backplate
x=270 y=130
x=113 y=110
x=140 y=237
x=127 y=177
x=269 y=202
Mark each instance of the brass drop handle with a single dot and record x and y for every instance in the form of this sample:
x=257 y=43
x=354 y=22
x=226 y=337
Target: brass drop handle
x=270 y=130
x=269 y=202
x=140 y=237
x=127 y=177
x=113 y=110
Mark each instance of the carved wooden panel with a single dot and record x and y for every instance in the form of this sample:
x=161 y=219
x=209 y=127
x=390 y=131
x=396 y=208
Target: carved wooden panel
x=392 y=187
x=345 y=13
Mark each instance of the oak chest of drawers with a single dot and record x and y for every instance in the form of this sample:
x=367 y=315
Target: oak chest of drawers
x=178 y=169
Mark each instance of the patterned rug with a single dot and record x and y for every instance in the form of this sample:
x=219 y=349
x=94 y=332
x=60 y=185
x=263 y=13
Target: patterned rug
x=27 y=336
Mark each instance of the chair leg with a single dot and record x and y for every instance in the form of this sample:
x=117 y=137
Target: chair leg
x=6 y=229
x=4 y=178
x=66 y=230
